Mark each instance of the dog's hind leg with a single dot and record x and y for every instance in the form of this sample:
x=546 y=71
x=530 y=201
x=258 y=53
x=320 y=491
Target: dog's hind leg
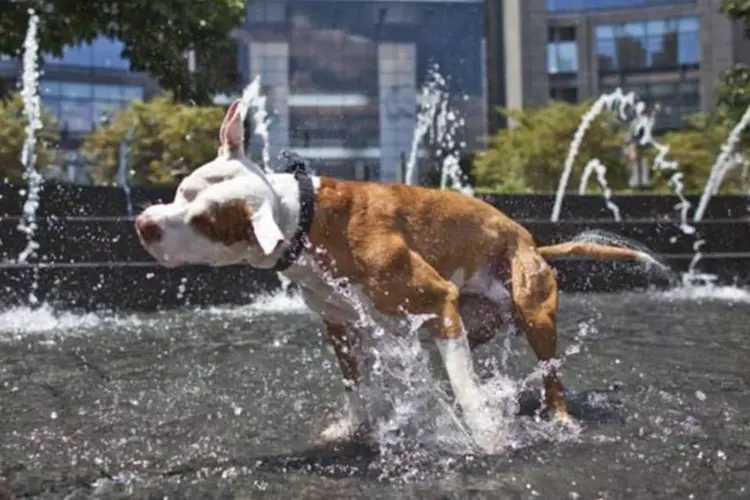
x=534 y=289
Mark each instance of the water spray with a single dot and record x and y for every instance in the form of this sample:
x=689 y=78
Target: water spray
x=32 y=111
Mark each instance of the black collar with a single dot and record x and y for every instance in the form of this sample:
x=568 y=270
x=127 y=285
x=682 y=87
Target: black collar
x=300 y=238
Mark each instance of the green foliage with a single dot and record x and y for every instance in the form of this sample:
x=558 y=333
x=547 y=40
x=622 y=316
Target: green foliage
x=531 y=155
x=696 y=149
x=13 y=134
x=733 y=94
x=156 y=35
x=168 y=137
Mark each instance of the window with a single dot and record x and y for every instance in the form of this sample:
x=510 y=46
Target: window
x=400 y=14
x=581 y=5
x=357 y=127
x=101 y=53
x=562 y=50
x=655 y=44
x=268 y=12
x=79 y=107
x=565 y=94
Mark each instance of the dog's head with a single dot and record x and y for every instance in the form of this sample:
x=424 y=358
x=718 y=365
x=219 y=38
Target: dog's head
x=224 y=213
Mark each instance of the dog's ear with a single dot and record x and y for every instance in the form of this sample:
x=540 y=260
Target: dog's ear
x=231 y=134
x=266 y=231
x=236 y=222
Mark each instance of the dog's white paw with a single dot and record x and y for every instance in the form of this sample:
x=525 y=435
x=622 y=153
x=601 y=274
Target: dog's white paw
x=354 y=424
x=342 y=429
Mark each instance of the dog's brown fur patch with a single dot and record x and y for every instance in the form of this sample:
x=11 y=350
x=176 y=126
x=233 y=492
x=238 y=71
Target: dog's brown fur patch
x=226 y=223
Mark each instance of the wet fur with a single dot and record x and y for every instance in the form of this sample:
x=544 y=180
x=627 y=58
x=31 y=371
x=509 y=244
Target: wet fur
x=226 y=223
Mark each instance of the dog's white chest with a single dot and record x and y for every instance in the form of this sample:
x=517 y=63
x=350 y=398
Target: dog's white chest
x=332 y=299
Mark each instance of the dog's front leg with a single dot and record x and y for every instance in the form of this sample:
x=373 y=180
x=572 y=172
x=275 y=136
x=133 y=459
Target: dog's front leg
x=355 y=418
x=401 y=280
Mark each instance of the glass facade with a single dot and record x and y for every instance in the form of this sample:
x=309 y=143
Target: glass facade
x=583 y=5
x=79 y=107
x=343 y=76
x=84 y=84
x=654 y=59
x=101 y=53
x=654 y=44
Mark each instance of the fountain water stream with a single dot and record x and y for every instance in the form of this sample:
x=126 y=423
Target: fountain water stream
x=428 y=100
x=253 y=100
x=724 y=163
x=123 y=168
x=436 y=118
x=32 y=111
x=643 y=122
x=601 y=178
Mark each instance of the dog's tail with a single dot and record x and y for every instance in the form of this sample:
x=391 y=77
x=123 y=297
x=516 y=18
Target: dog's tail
x=593 y=251
x=602 y=245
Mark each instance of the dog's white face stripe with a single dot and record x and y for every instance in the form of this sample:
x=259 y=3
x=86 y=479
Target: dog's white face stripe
x=180 y=242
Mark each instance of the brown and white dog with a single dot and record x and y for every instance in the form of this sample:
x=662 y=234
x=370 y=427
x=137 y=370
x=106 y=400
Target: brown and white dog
x=403 y=249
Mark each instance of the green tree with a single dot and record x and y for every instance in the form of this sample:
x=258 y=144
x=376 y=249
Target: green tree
x=167 y=137
x=156 y=34
x=696 y=148
x=531 y=155
x=733 y=94
x=13 y=134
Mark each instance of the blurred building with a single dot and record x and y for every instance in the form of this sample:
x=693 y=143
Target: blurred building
x=669 y=52
x=342 y=76
x=83 y=85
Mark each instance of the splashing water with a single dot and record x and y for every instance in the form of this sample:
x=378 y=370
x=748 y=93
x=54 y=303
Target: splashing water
x=661 y=163
x=624 y=105
x=19 y=322
x=600 y=236
x=629 y=109
x=123 y=162
x=253 y=99
x=411 y=414
x=447 y=126
x=724 y=163
x=613 y=100
x=32 y=111
x=427 y=103
x=616 y=101
x=601 y=178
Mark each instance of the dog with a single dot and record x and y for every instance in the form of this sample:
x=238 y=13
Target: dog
x=402 y=249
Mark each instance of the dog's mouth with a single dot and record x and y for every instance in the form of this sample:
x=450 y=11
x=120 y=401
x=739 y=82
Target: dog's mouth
x=171 y=263
x=163 y=258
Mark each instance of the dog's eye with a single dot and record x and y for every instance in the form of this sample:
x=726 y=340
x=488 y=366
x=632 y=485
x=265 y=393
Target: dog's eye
x=189 y=193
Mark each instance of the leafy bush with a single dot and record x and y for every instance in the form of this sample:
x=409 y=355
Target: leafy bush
x=530 y=156
x=168 y=137
x=13 y=134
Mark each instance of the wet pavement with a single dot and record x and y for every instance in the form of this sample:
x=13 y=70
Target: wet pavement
x=227 y=403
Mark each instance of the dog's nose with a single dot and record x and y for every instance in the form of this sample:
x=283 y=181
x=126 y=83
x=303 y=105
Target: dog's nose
x=148 y=229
